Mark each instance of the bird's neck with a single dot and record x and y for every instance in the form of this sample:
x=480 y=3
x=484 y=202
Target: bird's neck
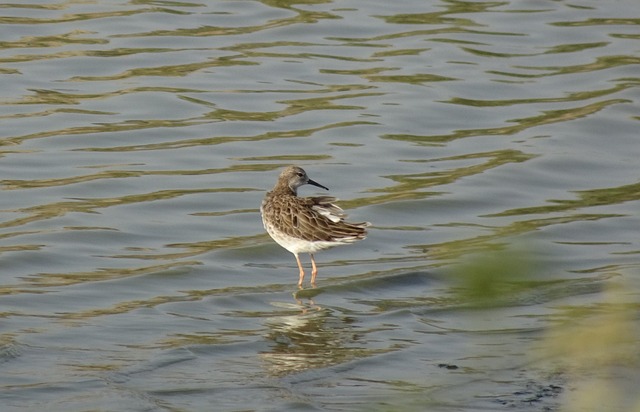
x=284 y=189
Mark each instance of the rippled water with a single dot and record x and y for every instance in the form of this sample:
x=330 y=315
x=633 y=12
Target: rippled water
x=139 y=137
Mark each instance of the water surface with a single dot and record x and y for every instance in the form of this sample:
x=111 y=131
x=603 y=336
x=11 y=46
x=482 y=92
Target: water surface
x=493 y=145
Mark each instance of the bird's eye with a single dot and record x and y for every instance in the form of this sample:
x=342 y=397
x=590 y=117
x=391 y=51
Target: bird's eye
x=300 y=174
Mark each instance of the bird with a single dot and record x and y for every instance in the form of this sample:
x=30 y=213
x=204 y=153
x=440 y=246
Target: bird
x=306 y=224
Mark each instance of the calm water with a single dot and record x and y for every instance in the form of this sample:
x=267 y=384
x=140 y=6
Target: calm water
x=494 y=146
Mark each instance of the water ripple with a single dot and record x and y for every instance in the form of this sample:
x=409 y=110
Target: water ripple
x=139 y=138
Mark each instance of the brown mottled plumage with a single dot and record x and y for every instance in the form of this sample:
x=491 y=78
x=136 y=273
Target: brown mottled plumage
x=306 y=224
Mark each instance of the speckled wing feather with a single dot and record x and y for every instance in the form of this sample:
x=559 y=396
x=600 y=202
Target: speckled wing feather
x=320 y=221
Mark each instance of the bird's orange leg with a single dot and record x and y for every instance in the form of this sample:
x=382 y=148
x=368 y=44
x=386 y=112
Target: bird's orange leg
x=314 y=270
x=301 y=271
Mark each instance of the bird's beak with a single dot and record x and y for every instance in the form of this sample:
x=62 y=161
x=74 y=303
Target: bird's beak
x=311 y=182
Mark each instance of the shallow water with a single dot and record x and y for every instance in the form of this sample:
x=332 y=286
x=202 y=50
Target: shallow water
x=139 y=137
